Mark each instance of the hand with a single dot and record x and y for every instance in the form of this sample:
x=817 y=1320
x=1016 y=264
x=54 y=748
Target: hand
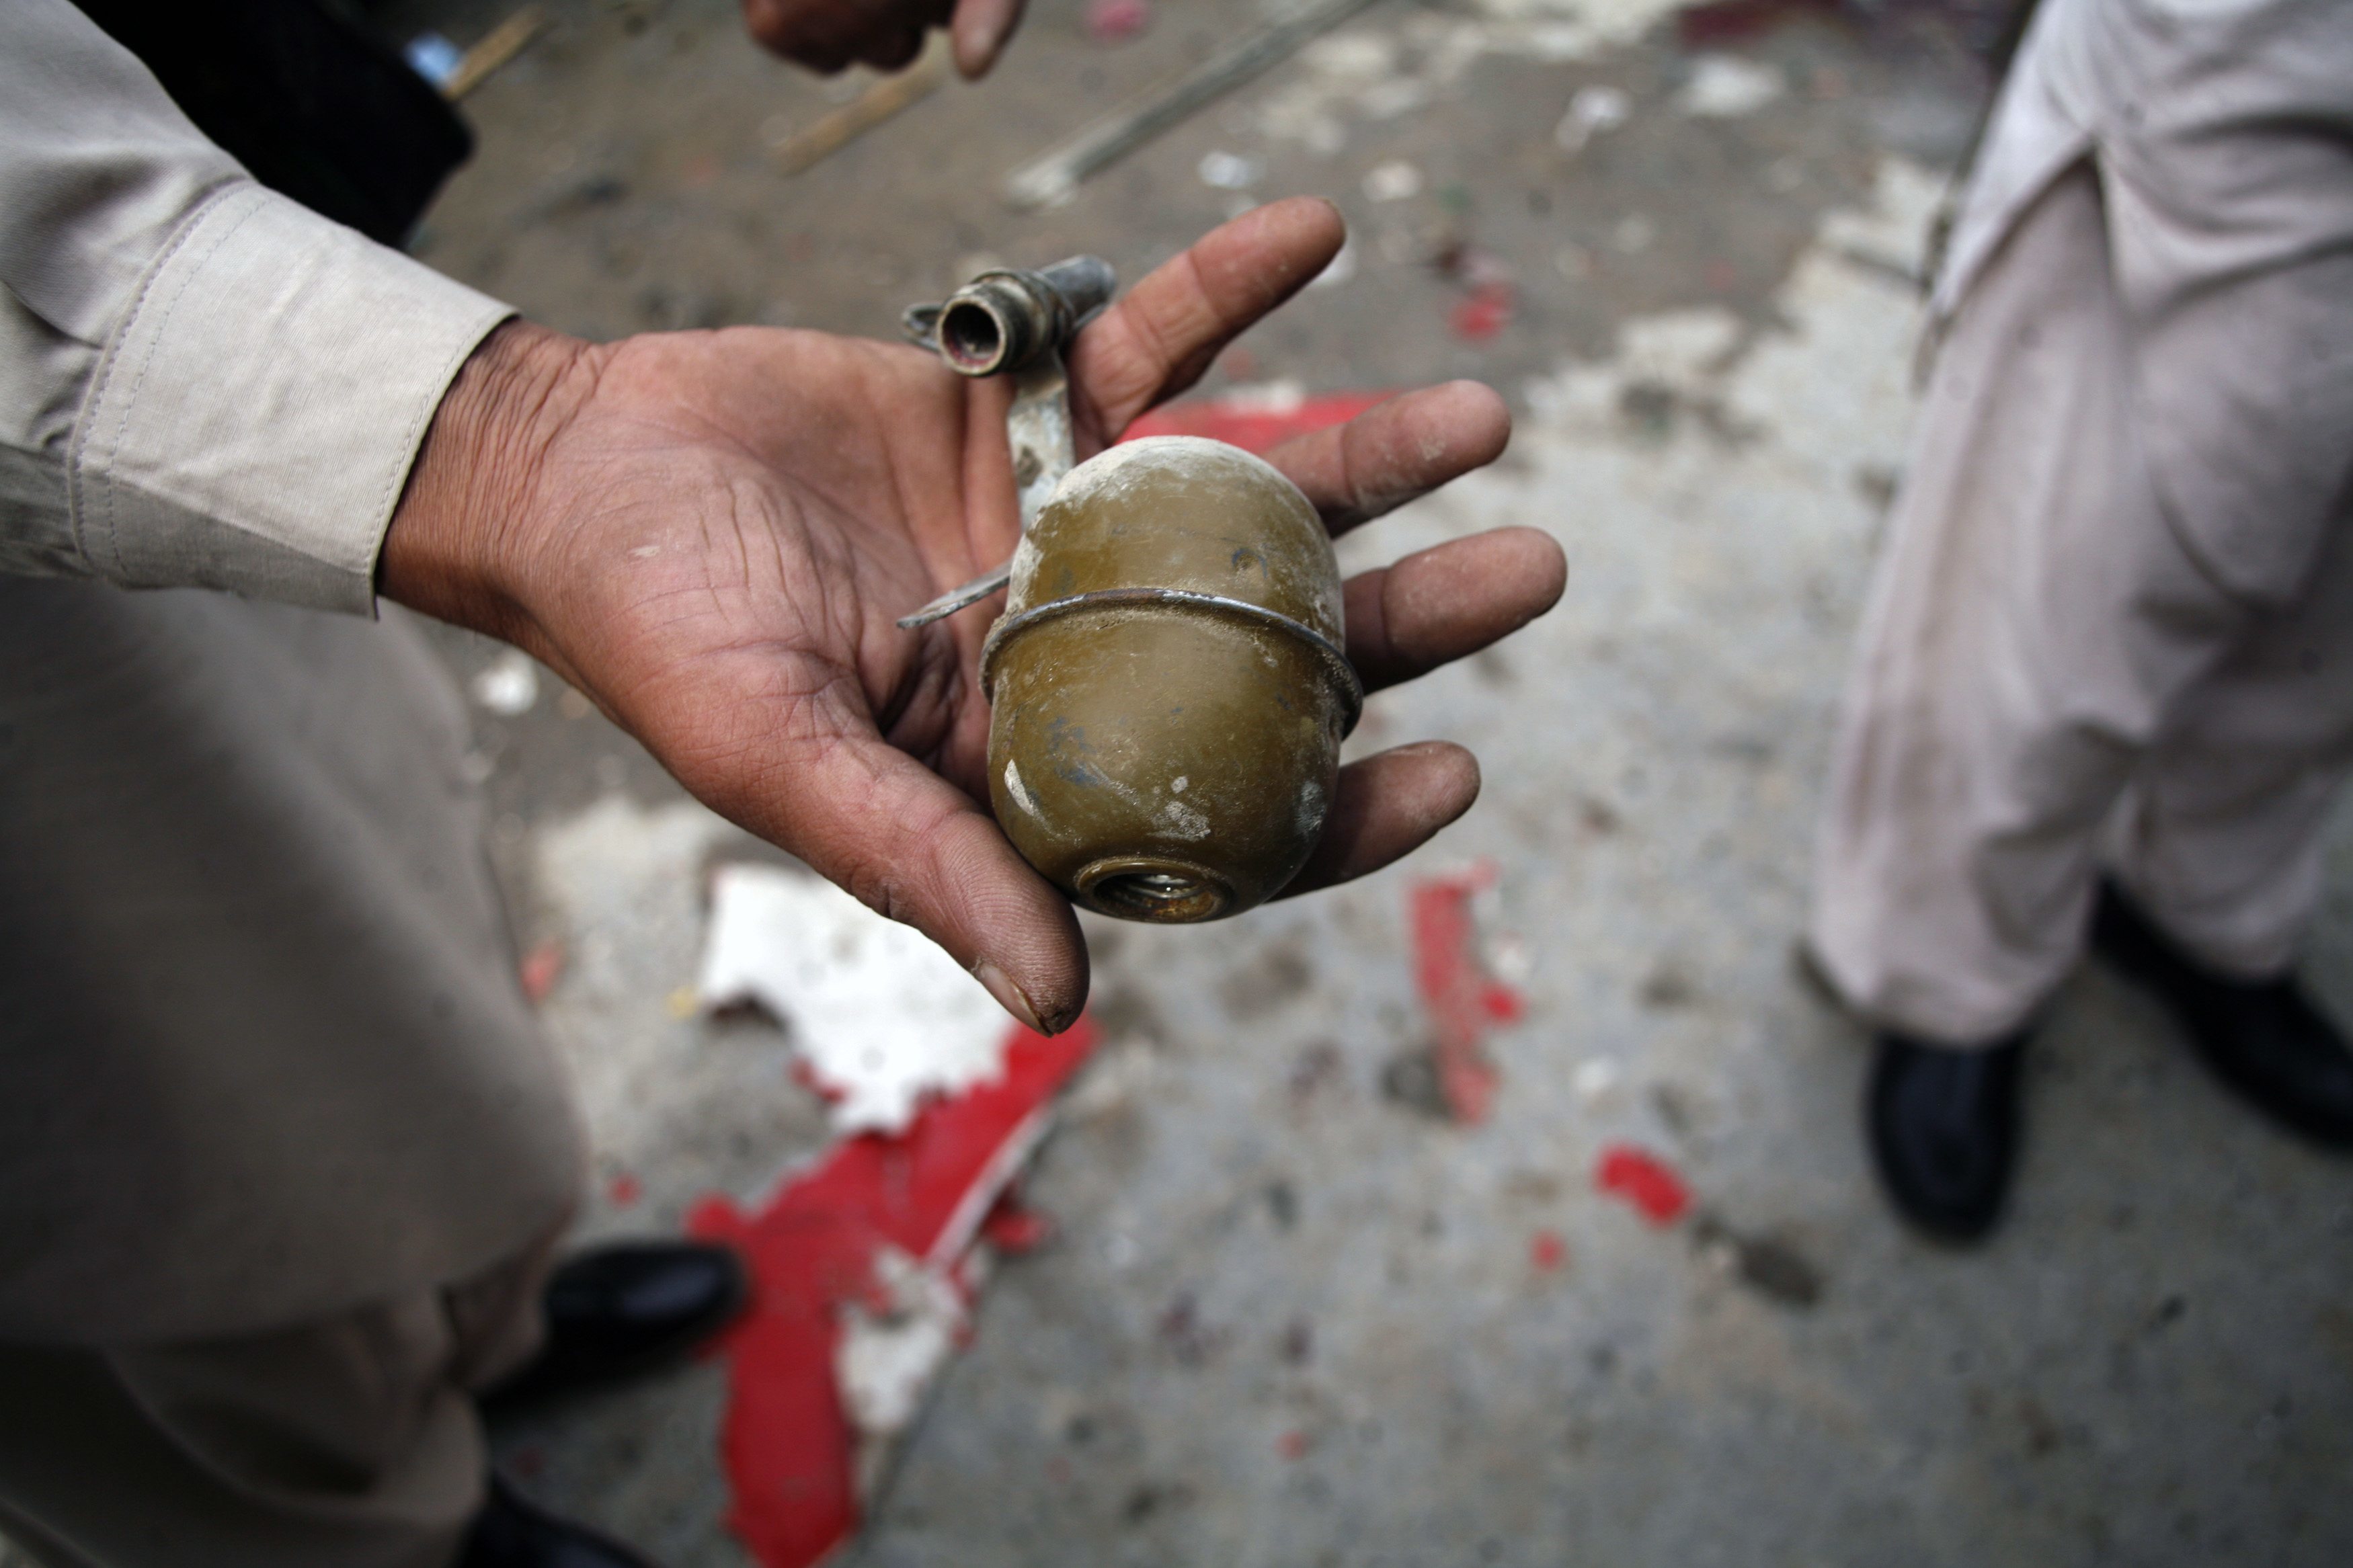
x=711 y=533
x=828 y=34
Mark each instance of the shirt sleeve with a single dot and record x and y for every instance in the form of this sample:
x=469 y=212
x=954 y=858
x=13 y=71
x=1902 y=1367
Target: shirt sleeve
x=202 y=383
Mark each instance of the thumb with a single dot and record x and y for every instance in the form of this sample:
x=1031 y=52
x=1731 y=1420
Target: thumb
x=909 y=844
x=980 y=30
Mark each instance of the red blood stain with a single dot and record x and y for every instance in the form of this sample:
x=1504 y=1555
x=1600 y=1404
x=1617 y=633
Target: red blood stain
x=541 y=968
x=1253 y=424
x=1484 y=313
x=624 y=1190
x=1464 y=1002
x=786 y=1443
x=1645 y=1182
x=1547 y=1252
x=1292 y=1445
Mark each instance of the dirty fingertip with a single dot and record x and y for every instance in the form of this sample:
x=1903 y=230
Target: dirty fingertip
x=1009 y=996
x=1443 y=780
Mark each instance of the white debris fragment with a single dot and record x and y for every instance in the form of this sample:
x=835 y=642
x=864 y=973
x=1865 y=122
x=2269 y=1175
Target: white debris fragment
x=1724 y=87
x=1633 y=234
x=1231 y=171
x=1594 y=111
x=1395 y=181
x=1114 y=1081
x=880 y=1016
x=886 y=1359
x=1283 y=395
x=508 y=685
x=1894 y=233
x=1594 y=1077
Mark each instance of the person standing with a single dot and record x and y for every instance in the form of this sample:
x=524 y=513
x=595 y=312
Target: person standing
x=2103 y=694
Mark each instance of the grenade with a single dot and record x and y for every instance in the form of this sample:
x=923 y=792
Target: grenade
x=1167 y=689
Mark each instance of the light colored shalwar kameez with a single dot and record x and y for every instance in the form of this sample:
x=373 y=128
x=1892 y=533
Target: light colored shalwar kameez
x=2112 y=626
x=281 y=1148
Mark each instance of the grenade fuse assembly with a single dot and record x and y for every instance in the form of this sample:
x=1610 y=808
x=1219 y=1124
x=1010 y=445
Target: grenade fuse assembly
x=1167 y=688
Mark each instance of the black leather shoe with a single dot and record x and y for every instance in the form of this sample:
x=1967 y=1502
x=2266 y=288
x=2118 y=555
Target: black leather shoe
x=1943 y=1125
x=616 y=1311
x=2262 y=1037
x=512 y=1531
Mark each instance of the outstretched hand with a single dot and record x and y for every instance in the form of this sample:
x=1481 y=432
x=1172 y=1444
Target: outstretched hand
x=711 y=534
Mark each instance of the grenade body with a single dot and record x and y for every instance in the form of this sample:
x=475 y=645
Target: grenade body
x=1168 y=688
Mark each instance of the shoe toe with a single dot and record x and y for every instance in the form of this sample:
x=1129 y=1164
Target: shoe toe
x=1943 y=1126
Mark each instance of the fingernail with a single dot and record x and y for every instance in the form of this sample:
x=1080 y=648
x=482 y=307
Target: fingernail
x=1008 y=995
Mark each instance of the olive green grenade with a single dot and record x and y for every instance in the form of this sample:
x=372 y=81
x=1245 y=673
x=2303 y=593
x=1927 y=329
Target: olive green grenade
x=1167 y=689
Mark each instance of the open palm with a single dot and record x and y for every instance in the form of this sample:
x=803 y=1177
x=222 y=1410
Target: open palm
x=716 y=531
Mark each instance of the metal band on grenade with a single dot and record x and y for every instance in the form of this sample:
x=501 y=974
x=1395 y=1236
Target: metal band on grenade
x=1335 y=662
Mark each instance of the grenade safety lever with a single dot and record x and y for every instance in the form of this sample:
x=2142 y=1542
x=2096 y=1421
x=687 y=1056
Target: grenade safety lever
x=1008 y=323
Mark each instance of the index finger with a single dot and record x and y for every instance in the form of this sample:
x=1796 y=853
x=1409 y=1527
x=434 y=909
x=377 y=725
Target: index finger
x=1156 y=341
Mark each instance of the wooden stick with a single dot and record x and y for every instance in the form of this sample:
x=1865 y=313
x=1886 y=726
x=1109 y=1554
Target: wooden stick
x=1051 y=178
x=869 y=108
x=500 y=45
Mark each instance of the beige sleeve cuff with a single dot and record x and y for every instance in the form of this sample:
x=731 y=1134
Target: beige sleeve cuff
x=255 y=417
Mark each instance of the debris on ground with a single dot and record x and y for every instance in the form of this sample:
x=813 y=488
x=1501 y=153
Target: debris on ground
x=1231 y=170
x=882 y=101
x=1465 y=1003
x=1724 y=87
x=541 y=968
x=1768 y=1265
x=865 y=1267
x=1487 y=311
x=509 y=684
x=1395 y=181
x=880 y=1019
x=1643 y=1183
x=434 y=58
x=1594 y=111
x=1548 y=1253
x=1053 y=178
x=1115 y=21
x=491 y=52
x=1486 y=307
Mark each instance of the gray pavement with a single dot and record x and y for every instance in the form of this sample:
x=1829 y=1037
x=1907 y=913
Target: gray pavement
x=1292 y=1316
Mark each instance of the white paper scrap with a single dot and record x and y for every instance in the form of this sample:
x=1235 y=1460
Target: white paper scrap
x=881 y=1016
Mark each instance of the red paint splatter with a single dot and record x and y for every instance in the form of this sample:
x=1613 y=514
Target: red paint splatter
x=1464 y=1002
x=624 y=1190
x=786 y=1443
x=1292 y=1445
x=1645 y=1182
x=1548 y=1253
x=541 y=968
x=1116 y=21
x=1484 y=313
x=1013 y=1229
x=1254 y=423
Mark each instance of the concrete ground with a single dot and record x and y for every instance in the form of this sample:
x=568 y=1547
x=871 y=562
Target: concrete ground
x=1292 y=1317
